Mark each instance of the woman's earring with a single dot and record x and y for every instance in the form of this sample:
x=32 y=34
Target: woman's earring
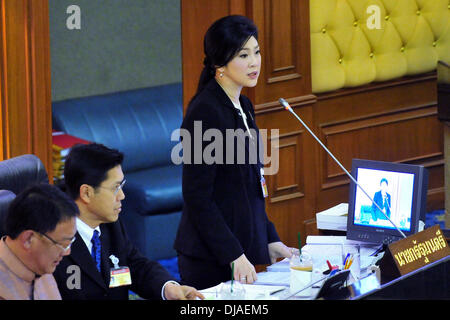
x=221 y=74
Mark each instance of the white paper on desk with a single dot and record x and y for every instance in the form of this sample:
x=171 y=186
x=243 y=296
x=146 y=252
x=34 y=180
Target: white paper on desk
x=280 y=266
x=273 y=278
x=252 y=292
x=326 y=239
x=339 y=240
x=260 y=292
x=211 y=293
x=336 y=211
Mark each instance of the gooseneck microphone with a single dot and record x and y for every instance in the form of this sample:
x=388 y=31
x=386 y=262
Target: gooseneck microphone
x=286 y=105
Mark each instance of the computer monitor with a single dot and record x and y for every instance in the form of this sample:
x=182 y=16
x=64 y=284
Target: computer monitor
x=400 y=190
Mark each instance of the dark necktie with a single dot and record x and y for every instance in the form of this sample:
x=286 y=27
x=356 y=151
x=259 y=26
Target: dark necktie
x=96 y=249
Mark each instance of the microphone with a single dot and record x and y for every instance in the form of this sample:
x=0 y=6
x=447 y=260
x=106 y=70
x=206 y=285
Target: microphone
x=286 y=105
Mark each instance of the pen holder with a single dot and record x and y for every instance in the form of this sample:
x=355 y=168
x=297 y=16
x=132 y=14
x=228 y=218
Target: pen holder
x=353 y=262
x=300 y=268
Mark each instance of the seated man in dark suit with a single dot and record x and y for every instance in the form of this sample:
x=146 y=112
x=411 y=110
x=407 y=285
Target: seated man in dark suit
x=103 y=263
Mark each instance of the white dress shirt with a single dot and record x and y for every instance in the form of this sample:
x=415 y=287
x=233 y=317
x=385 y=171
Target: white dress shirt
x=86 y=233
x=244 y=117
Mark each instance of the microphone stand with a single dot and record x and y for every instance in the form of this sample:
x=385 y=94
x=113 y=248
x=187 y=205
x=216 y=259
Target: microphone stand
x=288 y=108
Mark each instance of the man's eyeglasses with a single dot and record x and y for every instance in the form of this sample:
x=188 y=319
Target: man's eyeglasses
x=64 y=248
x=117 y=189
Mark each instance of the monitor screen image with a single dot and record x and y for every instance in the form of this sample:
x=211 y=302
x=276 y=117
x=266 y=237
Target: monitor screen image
x=397 y=191
x=392 y=191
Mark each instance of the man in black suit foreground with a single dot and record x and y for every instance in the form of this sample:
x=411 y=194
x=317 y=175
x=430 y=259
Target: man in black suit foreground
x=104 y=264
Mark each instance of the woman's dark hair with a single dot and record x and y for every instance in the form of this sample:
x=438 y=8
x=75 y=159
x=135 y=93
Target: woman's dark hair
x=40 y=208
x=88 y=164
x=222 y=42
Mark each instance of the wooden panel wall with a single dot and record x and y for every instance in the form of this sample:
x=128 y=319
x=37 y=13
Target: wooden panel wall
x=390 y=121
x=395 y=121
x=284 y=44
x=25 y=88
x=196 y=17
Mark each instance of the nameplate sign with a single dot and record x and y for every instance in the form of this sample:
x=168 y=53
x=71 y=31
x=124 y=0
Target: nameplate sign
x=419 y=249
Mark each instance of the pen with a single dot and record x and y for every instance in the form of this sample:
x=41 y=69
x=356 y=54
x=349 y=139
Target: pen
x=350 y=263
x=276 y=291
x=345 y=260
x=346 y=266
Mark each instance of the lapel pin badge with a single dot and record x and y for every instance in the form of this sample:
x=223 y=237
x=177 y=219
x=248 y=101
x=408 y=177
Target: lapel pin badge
x=114 y=260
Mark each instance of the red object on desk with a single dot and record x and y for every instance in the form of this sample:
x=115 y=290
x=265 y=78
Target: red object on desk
x=65 y=141
x=331 y=267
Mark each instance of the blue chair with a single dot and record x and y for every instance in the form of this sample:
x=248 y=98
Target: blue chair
x=138 y=123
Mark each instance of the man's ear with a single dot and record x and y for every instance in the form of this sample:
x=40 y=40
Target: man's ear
x=86 y=192
x=25 y=238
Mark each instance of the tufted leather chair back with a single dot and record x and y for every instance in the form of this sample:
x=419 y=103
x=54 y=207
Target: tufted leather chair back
x=356 y=42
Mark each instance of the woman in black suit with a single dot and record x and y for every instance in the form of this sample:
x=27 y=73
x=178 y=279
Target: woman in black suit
x=224 y=221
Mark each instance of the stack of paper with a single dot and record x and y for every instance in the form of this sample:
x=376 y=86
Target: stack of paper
x=334 y=218
x=61 y=144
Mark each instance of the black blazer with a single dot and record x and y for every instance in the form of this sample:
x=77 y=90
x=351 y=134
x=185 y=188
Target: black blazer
x=224 y=208
x=148 y=277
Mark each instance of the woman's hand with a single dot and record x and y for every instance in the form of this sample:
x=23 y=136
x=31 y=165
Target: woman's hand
x=280 y=250
x=244 y=271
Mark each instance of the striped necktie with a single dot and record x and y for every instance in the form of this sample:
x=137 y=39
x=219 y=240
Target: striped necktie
x=96 y=249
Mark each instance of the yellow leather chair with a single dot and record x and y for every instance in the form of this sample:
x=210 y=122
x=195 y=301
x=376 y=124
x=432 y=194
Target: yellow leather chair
x=356 y=42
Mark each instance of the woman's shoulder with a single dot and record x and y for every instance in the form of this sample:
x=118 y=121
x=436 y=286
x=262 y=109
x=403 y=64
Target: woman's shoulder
x=245 y=99
x=203 y=107
x=202 y=104
x=201 y=99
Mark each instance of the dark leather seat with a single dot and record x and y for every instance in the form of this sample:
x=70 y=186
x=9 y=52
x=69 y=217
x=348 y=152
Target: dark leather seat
x=15 y=175
x=19 y=172
x=140 y=124
x=6 y=197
